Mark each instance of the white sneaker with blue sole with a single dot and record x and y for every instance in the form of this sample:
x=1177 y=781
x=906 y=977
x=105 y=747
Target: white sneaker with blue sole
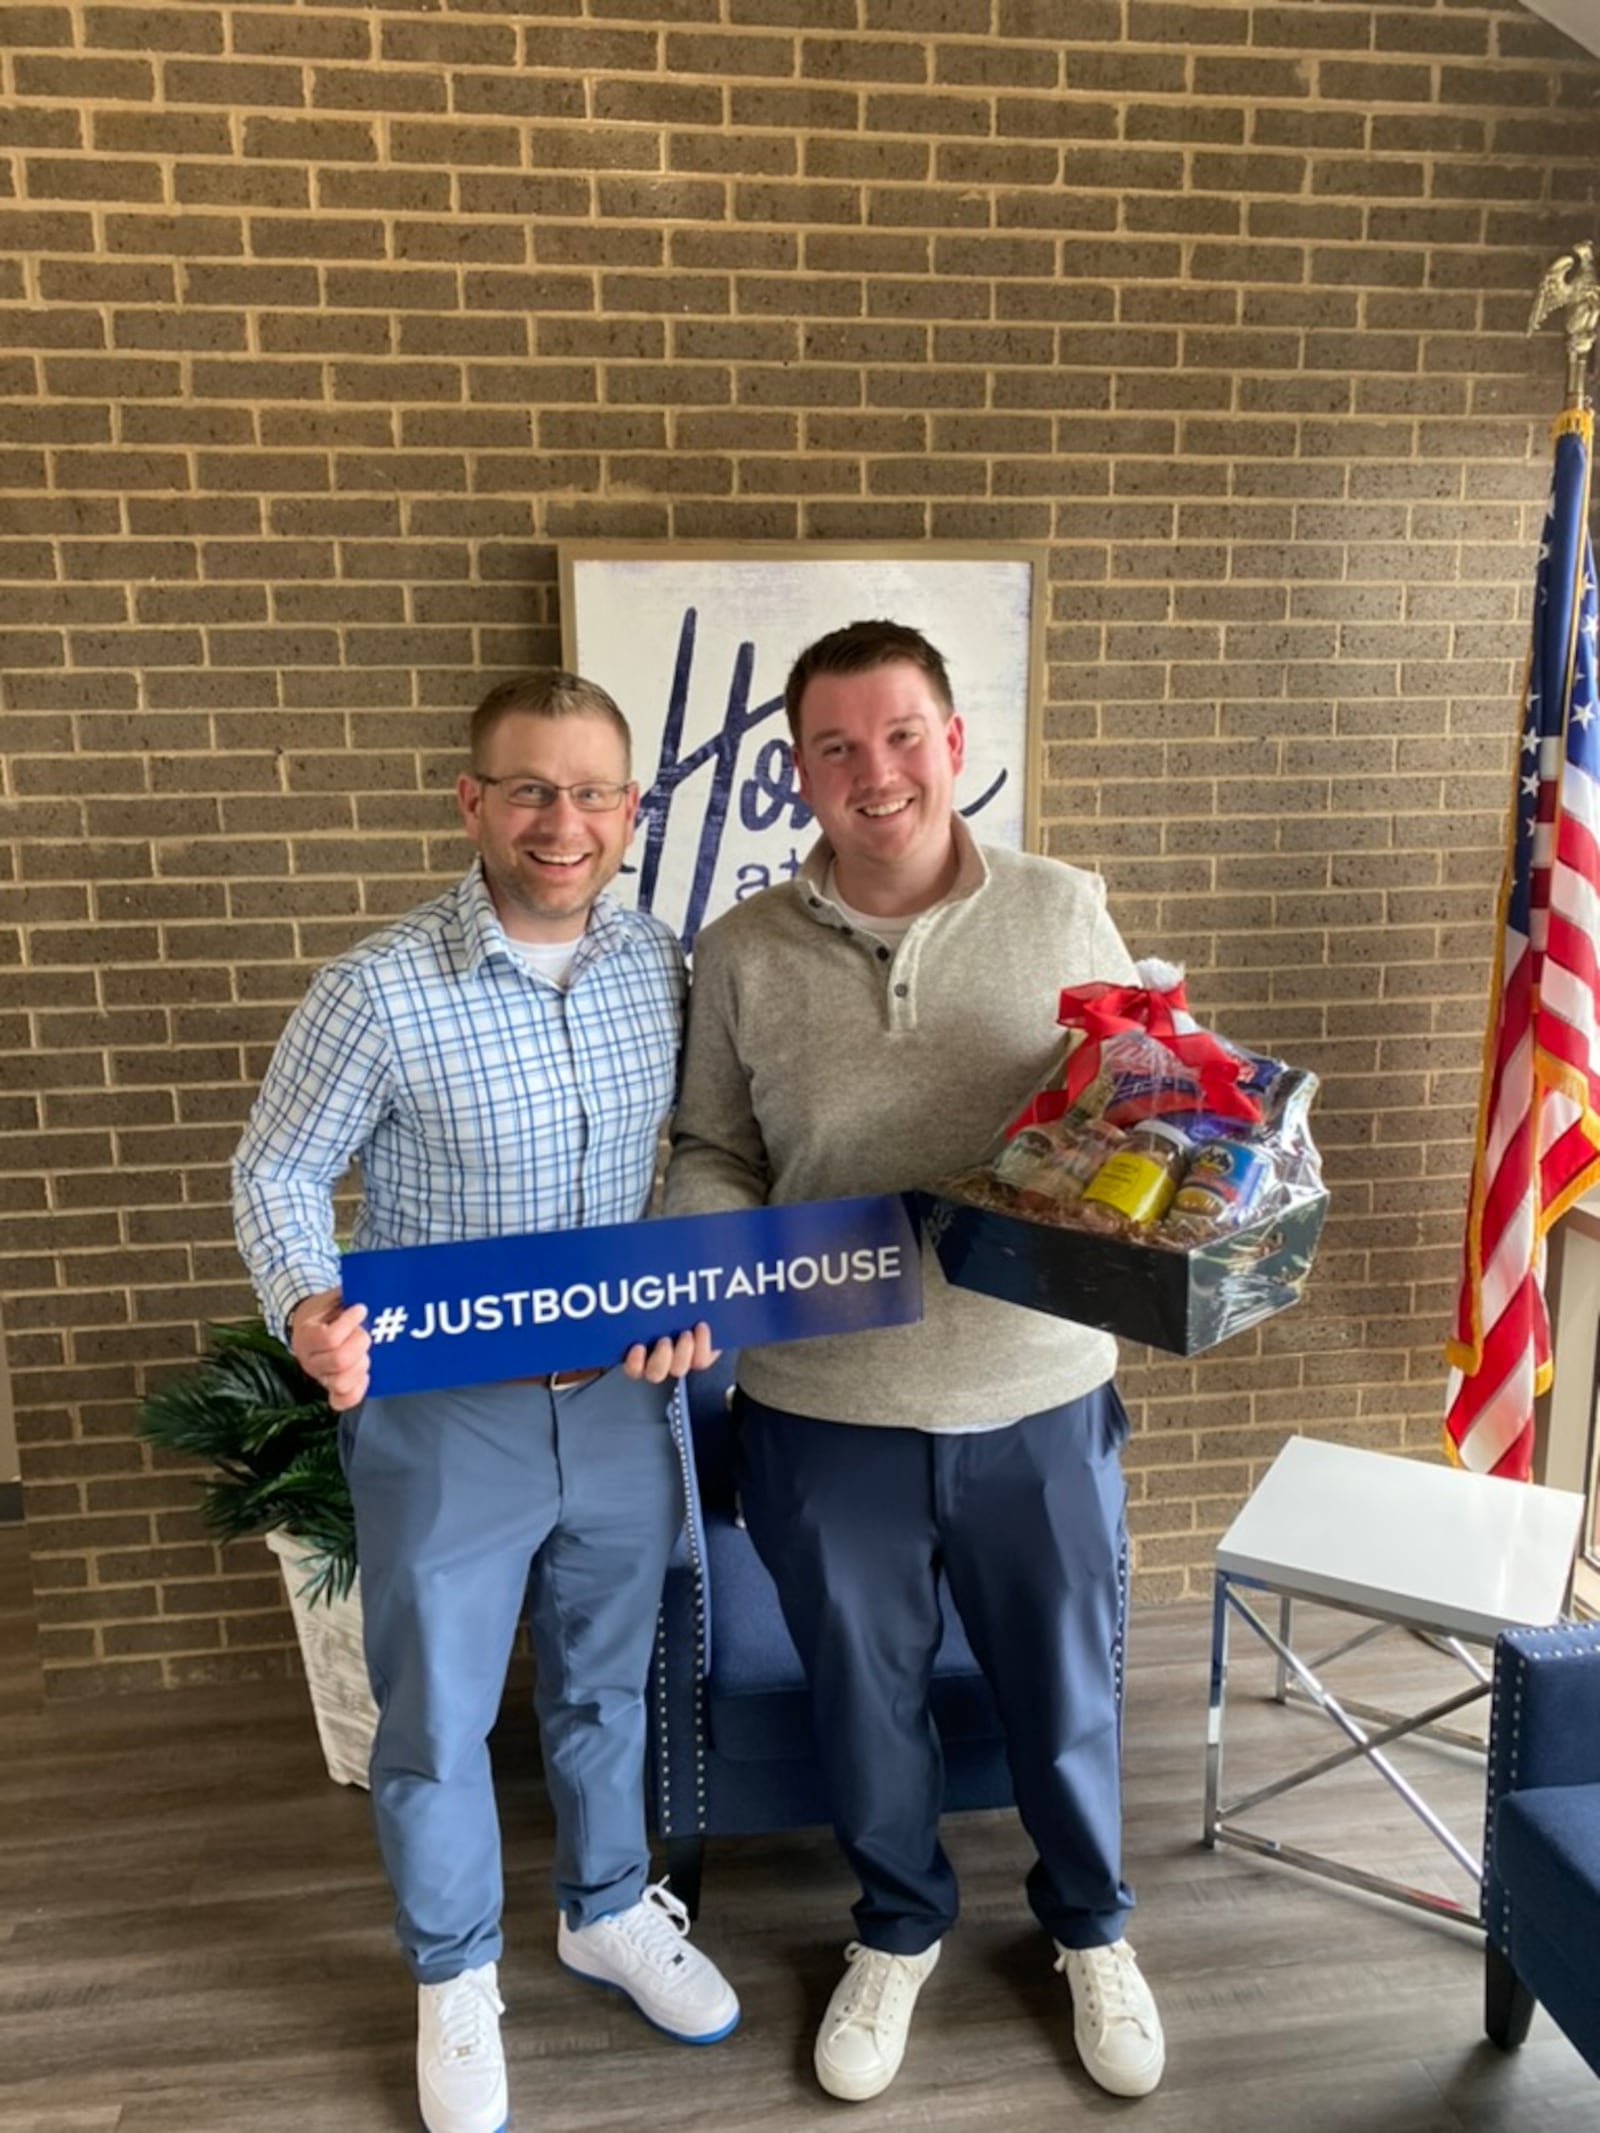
x=644 y=1952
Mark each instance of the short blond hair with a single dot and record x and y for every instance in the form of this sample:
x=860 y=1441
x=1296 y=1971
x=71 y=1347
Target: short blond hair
x=548 y=695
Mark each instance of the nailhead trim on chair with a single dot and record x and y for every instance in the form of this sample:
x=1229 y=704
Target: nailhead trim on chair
x=1119 y=1657
x=663 y=1760
x=1503 y=1711
x=678 y=1414
x=1506 y=1709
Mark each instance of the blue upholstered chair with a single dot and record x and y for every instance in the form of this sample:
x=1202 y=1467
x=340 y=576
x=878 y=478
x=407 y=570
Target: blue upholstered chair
x=731 y=1744
x=1541 y=1861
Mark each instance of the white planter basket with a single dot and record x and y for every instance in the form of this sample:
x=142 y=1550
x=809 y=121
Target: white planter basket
x=336 y=1672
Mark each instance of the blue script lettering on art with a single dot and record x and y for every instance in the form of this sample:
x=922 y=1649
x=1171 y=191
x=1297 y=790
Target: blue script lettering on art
x=769 y=798
x=772 y=788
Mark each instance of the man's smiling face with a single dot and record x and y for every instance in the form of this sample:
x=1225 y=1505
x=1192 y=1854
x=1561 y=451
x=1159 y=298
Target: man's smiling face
x=546 y=866
x=877 y=759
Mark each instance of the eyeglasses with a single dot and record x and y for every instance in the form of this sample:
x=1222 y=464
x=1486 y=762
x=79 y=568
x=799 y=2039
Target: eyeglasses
x=535 y=794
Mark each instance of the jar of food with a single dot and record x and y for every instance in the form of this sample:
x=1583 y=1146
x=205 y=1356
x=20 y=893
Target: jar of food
x=1133 y=1188
x=1057 y=1161
x=1221 y=1190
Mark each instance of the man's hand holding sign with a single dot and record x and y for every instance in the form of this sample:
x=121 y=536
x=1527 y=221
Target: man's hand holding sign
x=331 y=1342
x=670 y=1358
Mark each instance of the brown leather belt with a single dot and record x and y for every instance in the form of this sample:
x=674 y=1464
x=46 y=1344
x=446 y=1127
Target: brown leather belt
x=560 y=1380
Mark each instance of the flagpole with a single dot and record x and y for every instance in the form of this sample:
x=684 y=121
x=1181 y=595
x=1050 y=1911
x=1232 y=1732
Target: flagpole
x=1537 y=1143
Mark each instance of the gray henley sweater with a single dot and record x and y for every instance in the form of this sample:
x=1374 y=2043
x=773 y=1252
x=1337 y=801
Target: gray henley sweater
x=820 y=1065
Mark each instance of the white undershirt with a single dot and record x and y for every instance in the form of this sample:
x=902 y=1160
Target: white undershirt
x=891 y=931
x=551 y=960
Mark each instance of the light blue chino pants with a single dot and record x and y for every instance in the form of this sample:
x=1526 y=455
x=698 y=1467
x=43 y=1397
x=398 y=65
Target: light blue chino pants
x=470 y=1504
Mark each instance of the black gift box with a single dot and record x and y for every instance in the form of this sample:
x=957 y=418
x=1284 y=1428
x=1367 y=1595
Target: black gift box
x=1184 y=1302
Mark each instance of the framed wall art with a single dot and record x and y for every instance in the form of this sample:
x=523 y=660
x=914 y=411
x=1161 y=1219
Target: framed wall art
x=694 y=641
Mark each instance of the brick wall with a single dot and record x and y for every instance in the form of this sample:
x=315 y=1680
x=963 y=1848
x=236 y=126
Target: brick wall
x=321 y=325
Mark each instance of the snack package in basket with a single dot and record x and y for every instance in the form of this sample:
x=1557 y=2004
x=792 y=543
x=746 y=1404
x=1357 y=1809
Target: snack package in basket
x=1153 y=1129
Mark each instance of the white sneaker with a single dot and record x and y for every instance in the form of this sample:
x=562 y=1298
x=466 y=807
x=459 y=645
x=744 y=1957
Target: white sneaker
x=461 y=2068
x=645 y=1952
x=1114 y=2021
x=863 y=2035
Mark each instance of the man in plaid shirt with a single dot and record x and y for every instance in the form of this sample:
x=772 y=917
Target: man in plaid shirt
x=498 y=1061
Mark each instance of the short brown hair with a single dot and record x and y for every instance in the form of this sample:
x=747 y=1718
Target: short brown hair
x=545 y=696
x=856 y=649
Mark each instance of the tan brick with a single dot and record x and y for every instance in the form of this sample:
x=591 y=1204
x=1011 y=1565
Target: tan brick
x=1007 y=163
x=1499 y=86
x=996 y=66
x=723 y=56
x=519 y=97
x=39 y=26
x=308 y=237
x=457 y=147
x=151 y=29
x=760 y=155
x=660 y=103
x=84 y=81
x=868 y=159
x=60 y=178
x=803 y=109
x=310 y=140
x=90 y=376
x=50 y=329
x=1057 y=118
x=855 y=59
x=39 y=126
x=293 y=34
x=1113 y=73
x=186 y=329
x=449 y=44
x=24 y=230
x=186 y=236
x=372 y=88
x=244 y=84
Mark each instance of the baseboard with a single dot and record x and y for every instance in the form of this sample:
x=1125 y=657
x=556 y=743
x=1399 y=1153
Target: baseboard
x=10 y=1503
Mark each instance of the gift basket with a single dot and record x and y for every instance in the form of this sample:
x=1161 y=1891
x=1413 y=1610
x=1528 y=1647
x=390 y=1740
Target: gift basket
x=1163 y=1184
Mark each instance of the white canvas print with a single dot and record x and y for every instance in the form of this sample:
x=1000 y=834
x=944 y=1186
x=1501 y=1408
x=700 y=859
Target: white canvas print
x=694 y=642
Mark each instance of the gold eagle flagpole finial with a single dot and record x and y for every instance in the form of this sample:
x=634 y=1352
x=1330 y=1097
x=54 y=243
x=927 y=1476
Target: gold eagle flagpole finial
x=1570 y=285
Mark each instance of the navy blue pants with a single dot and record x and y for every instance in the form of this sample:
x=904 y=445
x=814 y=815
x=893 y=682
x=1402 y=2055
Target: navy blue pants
x=1026 y=1522
x=472 y=1506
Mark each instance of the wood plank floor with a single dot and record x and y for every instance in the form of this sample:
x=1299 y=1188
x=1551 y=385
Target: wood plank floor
x=194 y=1938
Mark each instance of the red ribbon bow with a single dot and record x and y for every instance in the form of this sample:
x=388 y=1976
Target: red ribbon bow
x=1101 y=1011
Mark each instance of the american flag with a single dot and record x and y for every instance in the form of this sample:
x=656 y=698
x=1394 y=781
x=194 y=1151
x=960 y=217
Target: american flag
x=1538 y=1146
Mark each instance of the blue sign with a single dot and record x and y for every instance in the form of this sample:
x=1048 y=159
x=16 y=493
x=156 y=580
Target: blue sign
x=510 y=1307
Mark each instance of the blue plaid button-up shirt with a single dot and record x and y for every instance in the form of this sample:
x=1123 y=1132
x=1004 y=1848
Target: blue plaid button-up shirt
x=478 y=1099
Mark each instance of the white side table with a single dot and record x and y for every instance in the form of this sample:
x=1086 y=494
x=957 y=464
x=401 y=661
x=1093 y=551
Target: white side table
x=1452 y=1556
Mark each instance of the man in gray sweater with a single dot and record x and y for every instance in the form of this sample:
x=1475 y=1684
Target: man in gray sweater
x=866 y=1028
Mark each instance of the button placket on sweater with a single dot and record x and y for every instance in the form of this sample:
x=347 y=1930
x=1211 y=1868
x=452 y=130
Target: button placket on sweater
x=896 y=967
x=902 y=976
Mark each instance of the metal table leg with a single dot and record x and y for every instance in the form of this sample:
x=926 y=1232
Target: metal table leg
x=1216 y=1706
x=1297 y=1680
